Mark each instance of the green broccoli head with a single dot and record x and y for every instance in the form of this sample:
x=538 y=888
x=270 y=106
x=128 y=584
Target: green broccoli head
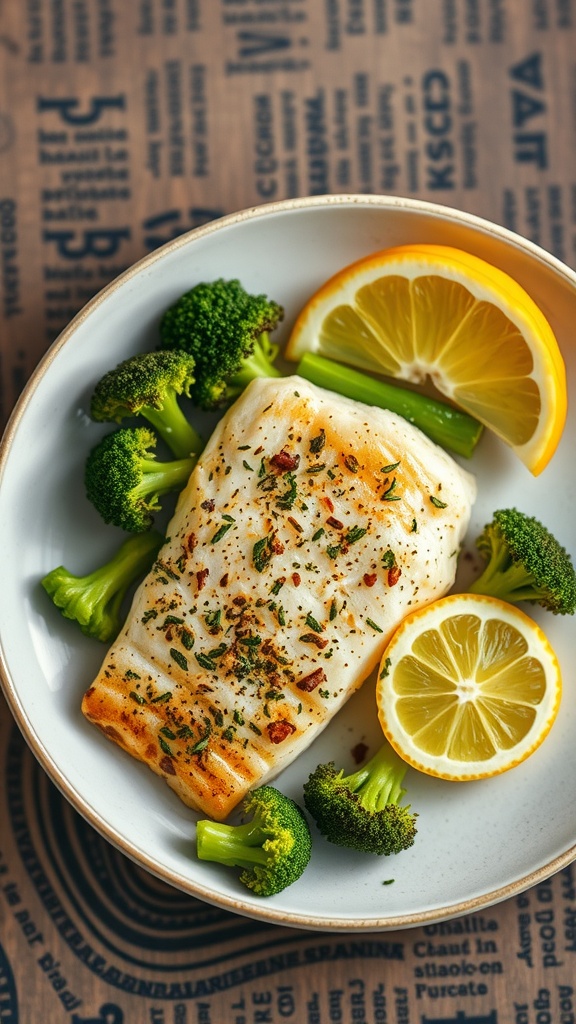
x=226 y=331
x=124 y=481
x=272 y=849
x=95 y=601
x=149 y=385
x=361 y=810
x=525 y=562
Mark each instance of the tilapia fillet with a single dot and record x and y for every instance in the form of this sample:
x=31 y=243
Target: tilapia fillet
x=309 y=528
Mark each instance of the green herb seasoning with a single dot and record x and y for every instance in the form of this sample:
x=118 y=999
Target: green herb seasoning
x=217 y=716
x=221 y=532
x=385 y=671
x=288 y=497
x=313 y=623
x=202 y=743
x=317 y=443
x=162 y=697
x=187 y=638
x=437 y=503
x=374 y=626
x=388 y=494
x=167 y=570
x=250 y=641
x=205 y=662
x=354 y=533
x=171 y=620
x=212 y=619
x=217 y=652
x=179 y=658
x=388 y=559
x=262 y=553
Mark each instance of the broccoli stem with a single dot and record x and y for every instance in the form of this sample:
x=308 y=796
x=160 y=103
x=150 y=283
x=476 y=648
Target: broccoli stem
x=173 y=427
x=448 y=427
x=510 y=581
x=234 y=845
x=258 y=364
x=94 y=601
x=163 y=477
x=379 y=782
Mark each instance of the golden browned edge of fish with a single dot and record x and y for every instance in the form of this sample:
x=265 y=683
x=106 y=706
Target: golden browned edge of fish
x=309 y=528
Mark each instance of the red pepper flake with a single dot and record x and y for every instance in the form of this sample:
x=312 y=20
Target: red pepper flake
x=276 y=545
x=359 y=752
x=285 y=461
x=294 y=522
x=280 y=730
x=394 y=575
x=259 y=449
x=335 y=523
x=224 y=580
x=165 y=765
x=191 y=542
x=310 y=682
x=209 y=505
x=313 y=638
x=201 y=577
x=329 y=503
x=370 y=578
x=296 y=579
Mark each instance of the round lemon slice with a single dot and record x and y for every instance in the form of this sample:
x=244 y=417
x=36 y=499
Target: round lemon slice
x=419 y=311
x=468 y=687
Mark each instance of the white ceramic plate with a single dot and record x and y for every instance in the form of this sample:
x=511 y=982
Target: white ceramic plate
x=478 y=843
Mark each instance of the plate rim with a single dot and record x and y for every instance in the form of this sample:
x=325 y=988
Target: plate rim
x=267 y=913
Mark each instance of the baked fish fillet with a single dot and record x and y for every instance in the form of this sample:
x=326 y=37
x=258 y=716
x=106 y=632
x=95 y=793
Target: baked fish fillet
x=309 y=528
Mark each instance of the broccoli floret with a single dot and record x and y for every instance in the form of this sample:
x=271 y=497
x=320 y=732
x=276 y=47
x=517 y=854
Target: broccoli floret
x=272 y=849
x=94 y=601
x=148 y=385
x=124 y=481
x=525 y=562
x=226 y=330
x=361 y=810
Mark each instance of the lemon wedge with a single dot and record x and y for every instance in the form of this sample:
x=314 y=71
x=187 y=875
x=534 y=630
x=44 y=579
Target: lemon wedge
x=418 y=311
